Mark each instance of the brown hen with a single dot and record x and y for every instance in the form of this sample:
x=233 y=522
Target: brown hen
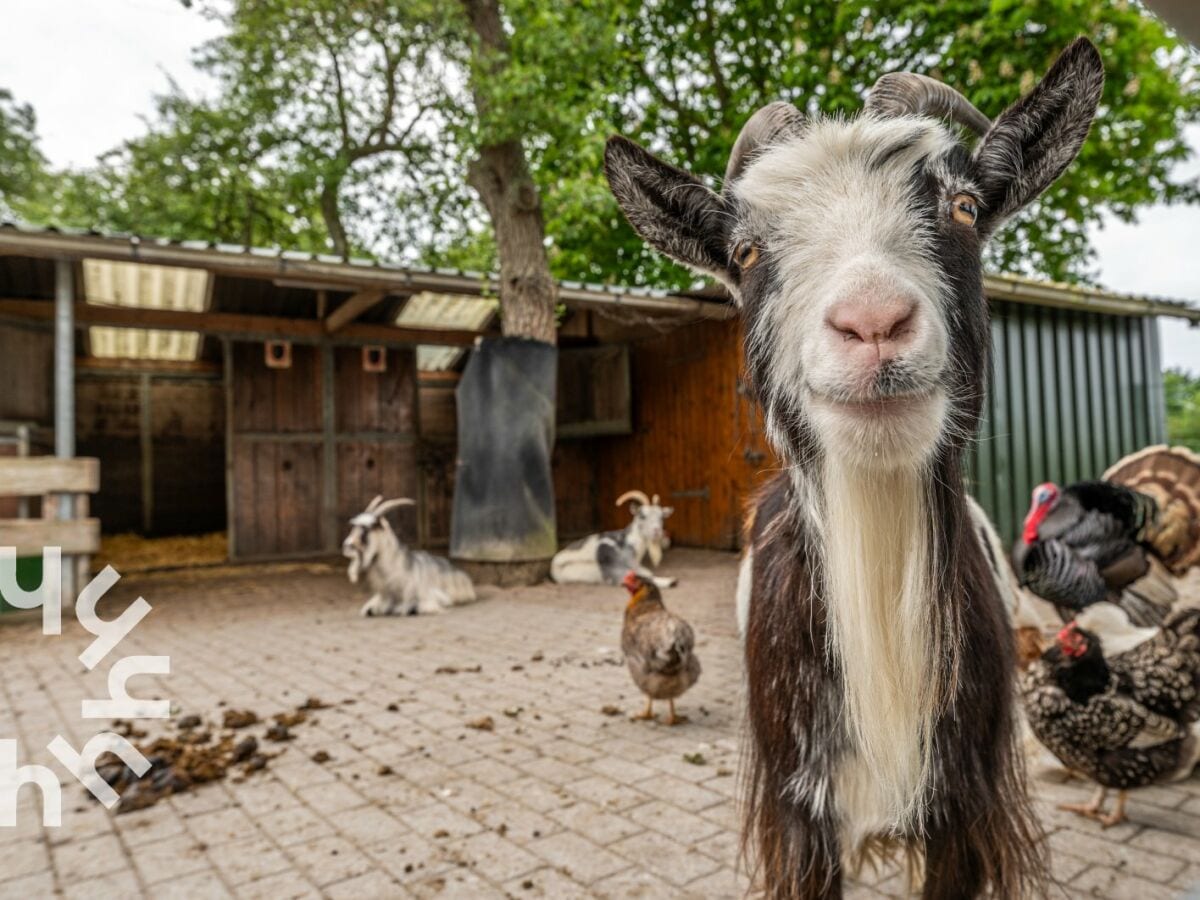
x=658 y=648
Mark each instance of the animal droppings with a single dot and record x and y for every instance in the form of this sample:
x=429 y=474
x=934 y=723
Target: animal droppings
x=180 y=762
x=239 y=718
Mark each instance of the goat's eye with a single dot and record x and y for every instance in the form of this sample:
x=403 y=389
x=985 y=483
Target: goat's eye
x=964 y=209
x=745 y=254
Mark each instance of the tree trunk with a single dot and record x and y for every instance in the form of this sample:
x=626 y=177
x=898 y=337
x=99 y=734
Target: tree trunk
x=332 y=215
x=502 y=178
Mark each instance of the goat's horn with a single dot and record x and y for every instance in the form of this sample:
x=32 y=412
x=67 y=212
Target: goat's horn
x=774 y=121
x=374 y=503
x=654 y=502
x=639 y=496
x=388 y=505
x=906 y=93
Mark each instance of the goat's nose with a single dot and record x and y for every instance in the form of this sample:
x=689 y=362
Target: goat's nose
x=884 y=324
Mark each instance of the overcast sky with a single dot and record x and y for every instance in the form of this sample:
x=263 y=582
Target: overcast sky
x=90 y=69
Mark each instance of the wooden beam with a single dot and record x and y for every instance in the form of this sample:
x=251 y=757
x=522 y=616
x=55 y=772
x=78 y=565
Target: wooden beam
x=31 y=536
x=32 y=476
x=246 y=327
x=101 y=364
x=352 y=307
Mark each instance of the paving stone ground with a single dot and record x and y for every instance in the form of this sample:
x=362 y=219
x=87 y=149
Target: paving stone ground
x=558 y=800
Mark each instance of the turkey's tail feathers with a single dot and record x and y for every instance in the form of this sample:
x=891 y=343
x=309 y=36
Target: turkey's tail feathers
x=1149 y=599
x=1171 y=477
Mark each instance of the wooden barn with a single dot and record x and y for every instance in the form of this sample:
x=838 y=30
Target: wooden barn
x=266 y=396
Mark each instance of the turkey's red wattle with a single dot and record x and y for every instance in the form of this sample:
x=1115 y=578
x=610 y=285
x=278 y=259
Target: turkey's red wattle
x=1032 y=521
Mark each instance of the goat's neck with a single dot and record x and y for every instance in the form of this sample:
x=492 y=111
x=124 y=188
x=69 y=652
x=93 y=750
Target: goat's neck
x=879 y=595
x=641 y=545
x=390 y=556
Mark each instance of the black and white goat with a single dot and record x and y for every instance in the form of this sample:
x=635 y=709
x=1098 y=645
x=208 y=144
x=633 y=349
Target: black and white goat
x=605 y=558
x=403 y=581
x=879 y=658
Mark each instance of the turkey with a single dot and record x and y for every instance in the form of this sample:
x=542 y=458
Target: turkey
x=1119 y=540
x=1125 y=720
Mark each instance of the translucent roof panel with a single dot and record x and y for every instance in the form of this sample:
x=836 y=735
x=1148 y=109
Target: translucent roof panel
x=435 y=358
x=142 y=343
x=451 y=312
x=143 y=286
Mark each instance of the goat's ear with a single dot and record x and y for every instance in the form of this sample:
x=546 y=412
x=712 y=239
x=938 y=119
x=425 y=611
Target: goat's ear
x=1036 y=138
x=667 y=510
x=669 y=208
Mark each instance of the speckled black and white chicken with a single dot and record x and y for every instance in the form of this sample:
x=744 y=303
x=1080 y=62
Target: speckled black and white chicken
x=1126 y=720
x=1122 y=539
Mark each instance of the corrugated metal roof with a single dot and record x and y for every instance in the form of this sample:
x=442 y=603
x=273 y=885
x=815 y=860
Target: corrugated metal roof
x=452 y=312
x=142 y=286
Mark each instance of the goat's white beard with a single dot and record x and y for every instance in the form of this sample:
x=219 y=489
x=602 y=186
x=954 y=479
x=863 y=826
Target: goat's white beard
x=879 y=604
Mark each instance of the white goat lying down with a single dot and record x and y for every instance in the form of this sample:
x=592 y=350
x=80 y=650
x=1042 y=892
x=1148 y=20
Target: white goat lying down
x=403 y=581
x=605 y=558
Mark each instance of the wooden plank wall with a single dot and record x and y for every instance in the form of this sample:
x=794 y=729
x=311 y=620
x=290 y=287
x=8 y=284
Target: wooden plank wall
x=27 y=373
x=108 y=426
x=375 y=415
x=697 y=437
x=186 y=442
x=187 y=433
x=286 y=500
x=277 y=472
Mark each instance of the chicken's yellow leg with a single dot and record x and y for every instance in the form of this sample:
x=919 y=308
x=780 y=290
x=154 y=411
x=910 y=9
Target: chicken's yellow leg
x=1091 y=809
x=648 y=712
x=673 y=719
x=1117 y=816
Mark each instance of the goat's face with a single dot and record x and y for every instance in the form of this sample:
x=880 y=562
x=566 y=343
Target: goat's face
x=361 y=545
x=853 y=249
x=648 y=519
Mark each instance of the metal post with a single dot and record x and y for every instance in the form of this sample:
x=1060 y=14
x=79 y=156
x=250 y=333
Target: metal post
x=22 y=451
x=64 y=393
x=146 y=442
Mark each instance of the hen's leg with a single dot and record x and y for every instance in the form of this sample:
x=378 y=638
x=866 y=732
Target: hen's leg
x=647 y=713
x=673 y=719
x=1117 y=816
x=1091 y=809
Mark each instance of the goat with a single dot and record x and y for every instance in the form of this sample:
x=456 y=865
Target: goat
x=878 y=654
x=403 y=581
x=605 y=558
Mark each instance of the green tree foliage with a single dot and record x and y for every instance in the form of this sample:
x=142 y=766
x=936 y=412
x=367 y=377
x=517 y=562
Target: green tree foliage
x=1182 y=390
x=702 y=67
x=22 y=165
x=369 y=103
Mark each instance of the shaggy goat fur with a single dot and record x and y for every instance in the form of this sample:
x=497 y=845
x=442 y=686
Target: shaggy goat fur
x=403 y=581
x=879 y=650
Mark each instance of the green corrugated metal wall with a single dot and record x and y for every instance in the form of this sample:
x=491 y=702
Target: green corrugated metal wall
x=1072 y=392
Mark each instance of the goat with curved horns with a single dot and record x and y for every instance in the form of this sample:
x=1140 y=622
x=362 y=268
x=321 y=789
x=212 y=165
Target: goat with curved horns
x=605 y=558
x=879 y=657
x=403 y=581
